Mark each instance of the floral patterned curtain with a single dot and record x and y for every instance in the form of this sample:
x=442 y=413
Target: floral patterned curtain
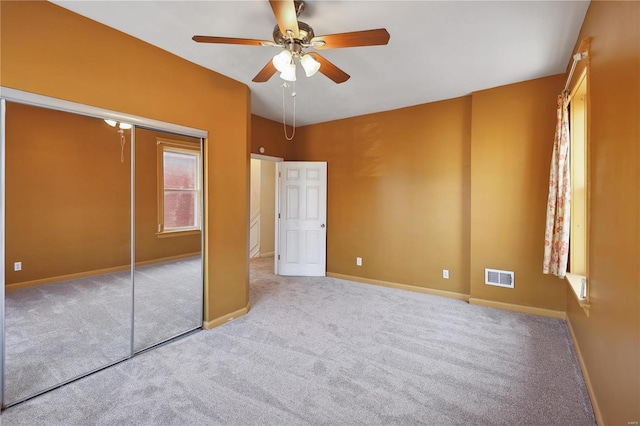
x=556 y=238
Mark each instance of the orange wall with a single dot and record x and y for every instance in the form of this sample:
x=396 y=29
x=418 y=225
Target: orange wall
x=511 y=143
x=609 y=339
x=67 y=194
x=48 y=50
x=270 y=135
x=459 y=185
x=397 y=193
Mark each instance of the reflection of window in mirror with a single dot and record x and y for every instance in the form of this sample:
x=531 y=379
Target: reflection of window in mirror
x=179 y=188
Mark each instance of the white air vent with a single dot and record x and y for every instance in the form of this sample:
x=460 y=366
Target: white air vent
x=499 y=278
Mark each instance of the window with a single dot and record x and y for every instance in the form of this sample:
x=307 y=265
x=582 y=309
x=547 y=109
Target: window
x=578 y=164
x=179 y=188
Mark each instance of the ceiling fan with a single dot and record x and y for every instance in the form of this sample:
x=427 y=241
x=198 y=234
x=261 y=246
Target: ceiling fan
x=294 y=36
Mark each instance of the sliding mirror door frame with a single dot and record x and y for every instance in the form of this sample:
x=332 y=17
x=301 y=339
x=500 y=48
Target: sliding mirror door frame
x=3 y=109
x=143 y=135
x=21 y=97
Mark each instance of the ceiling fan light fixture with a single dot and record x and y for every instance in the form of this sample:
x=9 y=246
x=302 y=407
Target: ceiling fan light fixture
x=282 y=60
x=289 y=72
x=310 y=65
x=114 y=123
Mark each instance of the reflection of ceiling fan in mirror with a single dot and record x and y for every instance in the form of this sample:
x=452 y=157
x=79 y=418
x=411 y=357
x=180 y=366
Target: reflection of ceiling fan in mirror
x=294 y=36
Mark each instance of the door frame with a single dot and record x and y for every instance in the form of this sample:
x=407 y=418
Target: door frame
x=275 y=240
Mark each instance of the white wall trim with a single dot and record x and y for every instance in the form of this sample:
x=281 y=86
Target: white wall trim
x=585 y=374
x=254 y=235
x=34 y=99
x=208 y=325
x=518 y=308
x=266 y=158
x=399 y=286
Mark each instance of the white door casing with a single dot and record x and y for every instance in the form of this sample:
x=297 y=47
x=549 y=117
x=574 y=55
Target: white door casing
x=301 y=218
x=254 y=235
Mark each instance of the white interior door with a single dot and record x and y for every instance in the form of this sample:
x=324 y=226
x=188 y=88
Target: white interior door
x=302 y=218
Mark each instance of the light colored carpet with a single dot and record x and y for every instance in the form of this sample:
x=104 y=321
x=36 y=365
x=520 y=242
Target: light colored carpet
x=328 y=351
x=56 y=332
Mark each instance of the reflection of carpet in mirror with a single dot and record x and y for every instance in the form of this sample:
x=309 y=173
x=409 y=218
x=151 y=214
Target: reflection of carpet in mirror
x=56 y=332
x=168 y=300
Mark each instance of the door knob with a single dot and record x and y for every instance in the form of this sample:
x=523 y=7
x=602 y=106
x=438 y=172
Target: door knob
x=322 y=226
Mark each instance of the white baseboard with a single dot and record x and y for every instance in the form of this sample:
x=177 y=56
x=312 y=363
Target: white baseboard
x=207 y=325
x=434 y=292
x=585 y=374
x=518 y=308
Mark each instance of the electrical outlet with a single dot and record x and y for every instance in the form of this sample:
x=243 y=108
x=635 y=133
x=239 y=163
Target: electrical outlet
x=17 y=266
x=445 y=274
x=358 y=261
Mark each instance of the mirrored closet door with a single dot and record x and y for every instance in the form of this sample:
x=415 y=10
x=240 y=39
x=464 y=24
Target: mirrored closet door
x=68 y=284
x=102 y=239
x=168 y=236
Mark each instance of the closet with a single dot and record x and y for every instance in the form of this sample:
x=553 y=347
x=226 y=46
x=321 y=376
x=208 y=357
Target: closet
x=101 y=239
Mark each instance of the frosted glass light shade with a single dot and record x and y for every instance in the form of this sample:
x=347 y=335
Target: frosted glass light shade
x=289 y=72
x=310 y=65
x=281 y=60
x=111 y=123
x=125 y=126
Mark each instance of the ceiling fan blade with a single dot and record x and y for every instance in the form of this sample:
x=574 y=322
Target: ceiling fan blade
x=376 y=37
x=265 y=73
x=229 y=40
x=330 y=70
x=285 y=13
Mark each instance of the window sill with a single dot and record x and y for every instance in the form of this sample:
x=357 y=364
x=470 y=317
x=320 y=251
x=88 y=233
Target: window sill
x=178 y=233
x=575 y=282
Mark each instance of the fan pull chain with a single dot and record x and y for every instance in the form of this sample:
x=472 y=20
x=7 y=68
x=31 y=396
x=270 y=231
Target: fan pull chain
x=123 y=141
x=284 y=111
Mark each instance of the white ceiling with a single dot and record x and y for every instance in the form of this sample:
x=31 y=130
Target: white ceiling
x=438 y=49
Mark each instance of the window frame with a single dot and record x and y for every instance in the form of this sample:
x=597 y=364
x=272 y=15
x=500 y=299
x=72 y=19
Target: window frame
x=579 y=164
x=177 y=146
x=579 y=158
